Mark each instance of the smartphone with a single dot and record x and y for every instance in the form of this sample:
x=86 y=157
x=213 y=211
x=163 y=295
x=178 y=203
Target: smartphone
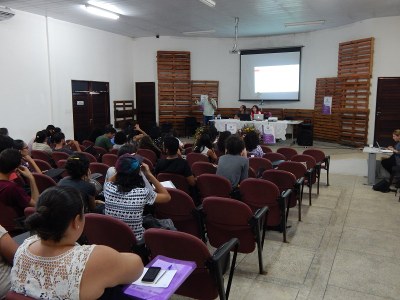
x=151 y=274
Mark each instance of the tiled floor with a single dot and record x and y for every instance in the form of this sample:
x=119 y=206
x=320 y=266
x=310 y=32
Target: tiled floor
x=346 y=247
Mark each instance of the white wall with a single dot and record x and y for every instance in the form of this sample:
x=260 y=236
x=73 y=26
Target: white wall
x=39 y=57
x=210 y=58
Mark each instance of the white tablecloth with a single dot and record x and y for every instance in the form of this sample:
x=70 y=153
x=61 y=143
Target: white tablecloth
x=233 y=125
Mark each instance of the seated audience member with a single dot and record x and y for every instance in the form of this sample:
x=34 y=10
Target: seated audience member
x=50 y=130
x=7 y=251
x=77 y=167
x=27 y=160
x=255 y=110
x=62 y=146
x=147 y=143
x=234 y=165
x=3 y=131
x=174 y=163
x=6 y=142
x=394 y=159
x=104 y=140
x=220 y=145
x=51 y=265
x=129 y=191
x=13 y=199
x=204 y=146
x=252 y=142
x=119 y=140
x=136 y=134
x=125 y=149
x=40 y=142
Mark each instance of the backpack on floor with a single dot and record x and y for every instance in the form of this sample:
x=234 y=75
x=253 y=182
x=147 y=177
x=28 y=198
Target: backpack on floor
x=382 y=186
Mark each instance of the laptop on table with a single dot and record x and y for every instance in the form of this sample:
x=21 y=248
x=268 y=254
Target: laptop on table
x=259 y=117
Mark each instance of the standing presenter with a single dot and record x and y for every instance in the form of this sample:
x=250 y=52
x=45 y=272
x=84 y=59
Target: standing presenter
x=209 y=105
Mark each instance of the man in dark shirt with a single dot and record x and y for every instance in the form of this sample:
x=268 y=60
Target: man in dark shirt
x=61 y=146
x=174 y=163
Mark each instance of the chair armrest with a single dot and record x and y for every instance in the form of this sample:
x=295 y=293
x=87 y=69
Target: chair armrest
x=198 y=214
x=257 y=221
x=300 y=181
x=260 y=213
x=286 y=193
x=225 y=249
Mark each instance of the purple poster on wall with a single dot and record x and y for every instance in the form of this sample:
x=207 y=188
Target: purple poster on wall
x=327 y=105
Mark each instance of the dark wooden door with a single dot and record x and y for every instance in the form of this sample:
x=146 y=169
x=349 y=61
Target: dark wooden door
x=91 y=108
x=146 y=104
x=387 y=112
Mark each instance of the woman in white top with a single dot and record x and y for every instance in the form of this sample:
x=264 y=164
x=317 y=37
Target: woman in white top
x=7 y=251
x=51 y=265
x=40 y=142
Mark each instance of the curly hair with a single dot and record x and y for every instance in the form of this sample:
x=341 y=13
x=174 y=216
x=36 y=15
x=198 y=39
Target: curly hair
x=251 y=140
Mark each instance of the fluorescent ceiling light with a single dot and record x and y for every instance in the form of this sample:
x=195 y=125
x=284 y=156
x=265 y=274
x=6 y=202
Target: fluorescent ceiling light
x=306 y=23
x=210 y=3
x=106 y=6
x=101 y=12
x=200 y=32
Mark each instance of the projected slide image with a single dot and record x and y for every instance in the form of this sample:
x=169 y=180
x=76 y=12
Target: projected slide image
x=276 y=79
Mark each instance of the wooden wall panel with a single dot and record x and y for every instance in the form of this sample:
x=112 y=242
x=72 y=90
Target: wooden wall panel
x=356 y=58
x=124 y=110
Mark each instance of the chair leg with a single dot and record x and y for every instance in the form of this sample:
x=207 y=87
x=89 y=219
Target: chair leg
x=318 y=178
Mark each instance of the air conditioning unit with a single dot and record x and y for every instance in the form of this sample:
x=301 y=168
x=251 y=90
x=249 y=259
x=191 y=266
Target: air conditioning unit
x=6 y=13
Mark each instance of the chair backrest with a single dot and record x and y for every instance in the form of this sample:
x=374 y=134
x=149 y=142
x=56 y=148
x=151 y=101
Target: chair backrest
x=188 y=150
x=37 y=154
x=257 y=193
x=96 y=167
x=90 y=157
x=203 y=167
x=42 y=164
x=87 y=143
x=180 y=245
x=100 y=150
x=273 y=156
x=318 y=155
x=308 y=159
x=295 y=167
x=178 y=180
x=181 y=210
x=57 y=155
x=251 y=173
x=109 y=159
x=284 y=180
x=227 y=218
x=106 y=230
x=15 y=296
x=114 y=151
x=265 y=149
x=43 y=181
x=192 y=157
x=213 y=185
x=287 y=152
x=259 y=164
x=149 y=154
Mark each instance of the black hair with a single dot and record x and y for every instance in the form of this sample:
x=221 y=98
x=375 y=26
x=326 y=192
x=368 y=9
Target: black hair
x=56 y=208
x=234 y=145
x=251 y=140
x=258 y=109
x=127 y=148
x=244 y=107
x=50 y=127
x=109 y=130
x=77 y=165
x=41 y=136
x=19 y=144
x=57 y=129
x=171 y=145
x=127 y=182
x=6 y=142
x=9 y=160
x=58 y=137
x=120 y=138
x=222 y=139
x=203 y=141
x=3 y=131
